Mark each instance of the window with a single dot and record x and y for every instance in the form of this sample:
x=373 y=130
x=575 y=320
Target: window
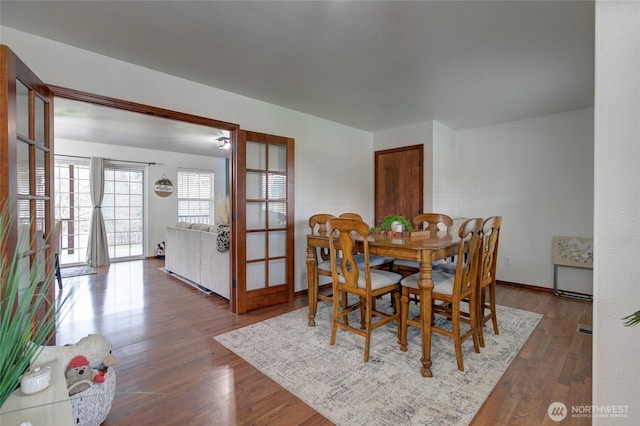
x=195 y=196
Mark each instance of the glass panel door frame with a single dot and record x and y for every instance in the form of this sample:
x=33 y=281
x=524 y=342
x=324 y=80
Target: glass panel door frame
x=26 y=166
x=123 y=210
x=263 y=220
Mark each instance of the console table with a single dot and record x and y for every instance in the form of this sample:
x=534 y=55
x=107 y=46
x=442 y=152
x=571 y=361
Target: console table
x=48 y=407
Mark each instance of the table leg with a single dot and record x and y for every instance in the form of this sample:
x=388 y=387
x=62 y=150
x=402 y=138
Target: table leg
x=426 y=287
x=312 y=284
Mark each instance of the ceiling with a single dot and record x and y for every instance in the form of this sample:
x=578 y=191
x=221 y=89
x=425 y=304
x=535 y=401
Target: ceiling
x=81 y=121
x=371 y=65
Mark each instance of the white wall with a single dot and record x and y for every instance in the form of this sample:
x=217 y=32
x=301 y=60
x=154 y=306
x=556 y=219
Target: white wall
x=538 y=175
x=617 y=209
x=444 y=166
x=321 y=186
x=160 y=211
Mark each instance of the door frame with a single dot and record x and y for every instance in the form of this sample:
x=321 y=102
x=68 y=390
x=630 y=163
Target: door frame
x=77 y=95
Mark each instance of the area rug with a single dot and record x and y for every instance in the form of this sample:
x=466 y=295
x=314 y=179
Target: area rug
x=76 y=271
x=388 y=389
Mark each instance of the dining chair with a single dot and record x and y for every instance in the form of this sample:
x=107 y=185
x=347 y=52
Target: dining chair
x=424 y=222
x=365 y=283
x=449 y=291
x=491 y=236
x=375 y=261
x=318 y=226
x=450 y=264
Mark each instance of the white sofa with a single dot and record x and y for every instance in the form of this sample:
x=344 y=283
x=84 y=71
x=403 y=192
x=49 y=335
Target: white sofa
x=191 y=253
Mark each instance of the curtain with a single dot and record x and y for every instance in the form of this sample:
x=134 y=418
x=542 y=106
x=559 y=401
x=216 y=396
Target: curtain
x=97 y=248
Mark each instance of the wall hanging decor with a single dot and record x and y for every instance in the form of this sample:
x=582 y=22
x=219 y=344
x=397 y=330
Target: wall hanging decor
x=163 y=186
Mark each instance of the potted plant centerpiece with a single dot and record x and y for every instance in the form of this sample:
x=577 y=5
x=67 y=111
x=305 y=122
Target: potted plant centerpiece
x=390 y=224
x=23 y=296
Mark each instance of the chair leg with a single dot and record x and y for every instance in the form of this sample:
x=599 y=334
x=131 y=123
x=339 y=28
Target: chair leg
x=480 y=315
x=336 y=315
x=404 y=317
x=395 y=296
x=57 y=268
x=474 y=324
x=492 y=303
x=367 y=336
x=457 y=343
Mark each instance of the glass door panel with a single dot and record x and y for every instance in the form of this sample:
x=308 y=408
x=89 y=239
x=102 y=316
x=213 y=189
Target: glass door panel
x=41 y=182
x=255 y=215
x=277 y=272
x=277 y=186
x=256 y=185
x=22 y=167
x=255 y=275
x=40 y=125
x=278 y=158
x=255 y=246
x=256 y=155
x=278 y=243
x=22 y=109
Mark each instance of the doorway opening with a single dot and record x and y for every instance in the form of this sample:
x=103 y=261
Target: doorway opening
x=135 y=217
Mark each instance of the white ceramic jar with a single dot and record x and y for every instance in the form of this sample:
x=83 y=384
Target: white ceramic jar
x=36 y=380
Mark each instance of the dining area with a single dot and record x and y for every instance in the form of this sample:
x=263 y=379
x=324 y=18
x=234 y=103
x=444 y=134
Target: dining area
x=445 y=266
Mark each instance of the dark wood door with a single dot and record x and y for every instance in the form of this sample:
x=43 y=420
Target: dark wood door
x=399 y=183
x=263 y=221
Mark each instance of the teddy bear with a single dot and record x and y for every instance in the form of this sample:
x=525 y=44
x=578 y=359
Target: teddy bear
x=93 y=347
x=80 y=376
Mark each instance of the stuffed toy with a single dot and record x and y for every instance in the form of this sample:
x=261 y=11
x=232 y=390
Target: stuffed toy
x=108 y=361
x=79 y=375
x=93 y=347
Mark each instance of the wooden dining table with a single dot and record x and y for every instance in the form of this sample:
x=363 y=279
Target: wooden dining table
x=423 y=248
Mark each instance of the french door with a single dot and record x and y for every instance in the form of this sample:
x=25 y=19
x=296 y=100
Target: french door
x=263 y=223
x=26 y=163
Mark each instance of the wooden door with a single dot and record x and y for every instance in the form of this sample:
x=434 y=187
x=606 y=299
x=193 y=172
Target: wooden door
x=399 y=182
x=263 y=221
x=26 y=163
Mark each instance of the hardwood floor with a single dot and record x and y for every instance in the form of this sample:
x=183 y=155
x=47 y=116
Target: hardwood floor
x=172 y=372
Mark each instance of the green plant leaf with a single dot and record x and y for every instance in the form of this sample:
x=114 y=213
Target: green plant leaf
x=388 y=220
x=23 y=296
x=632 y=319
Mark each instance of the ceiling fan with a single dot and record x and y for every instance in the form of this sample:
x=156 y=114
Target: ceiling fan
x=223 y=142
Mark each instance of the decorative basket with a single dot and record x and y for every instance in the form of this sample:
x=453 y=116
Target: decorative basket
x=90 y=408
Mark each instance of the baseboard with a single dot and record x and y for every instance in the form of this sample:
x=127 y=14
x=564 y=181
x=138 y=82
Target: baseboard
x=301 y=292
x=527 y=286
